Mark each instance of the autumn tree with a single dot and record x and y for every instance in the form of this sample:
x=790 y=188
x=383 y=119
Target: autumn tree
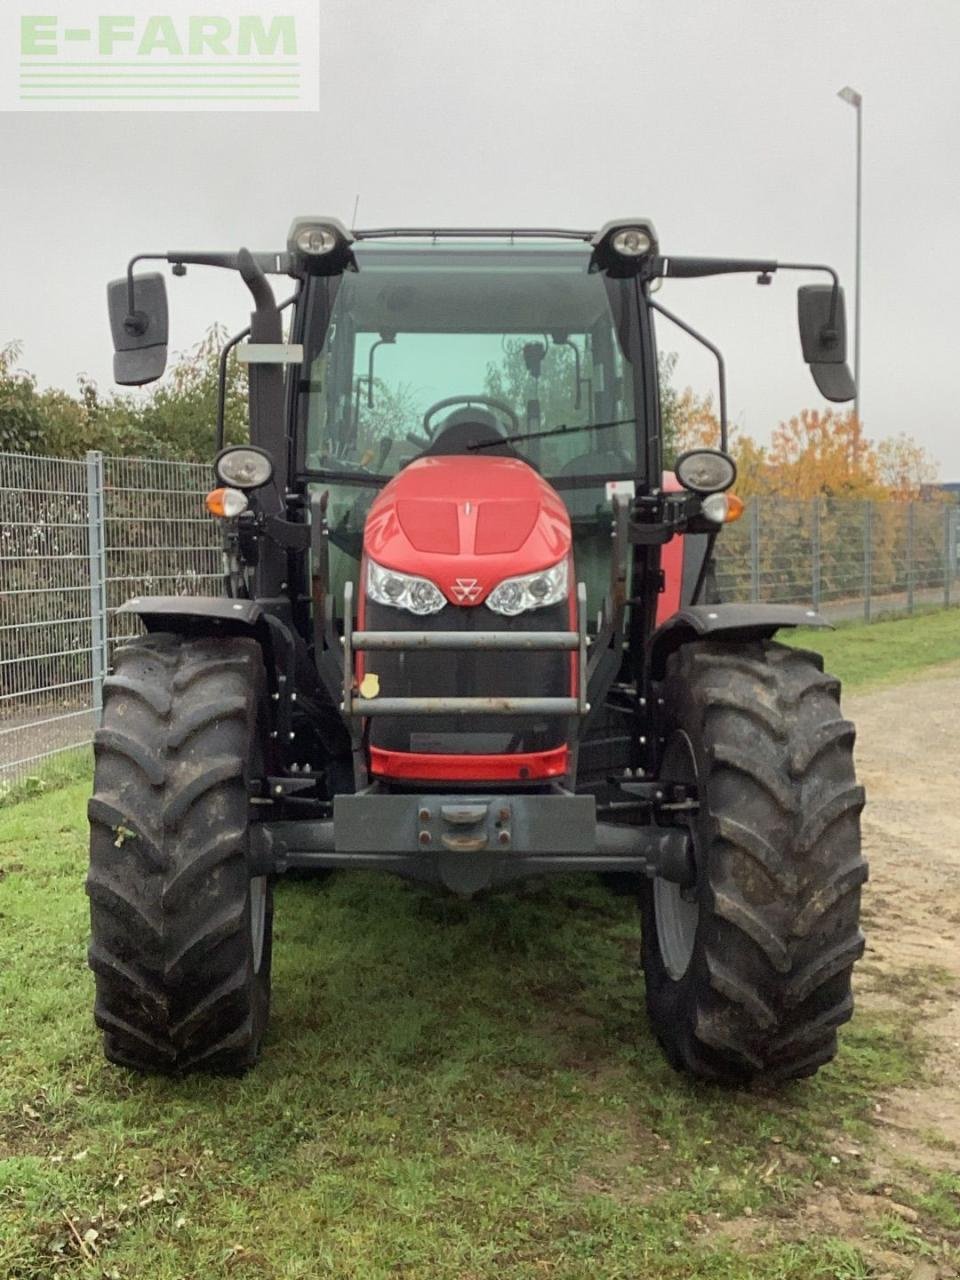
x=823 y=453
x=906 y=470
x=696 y=425
x=828 y=454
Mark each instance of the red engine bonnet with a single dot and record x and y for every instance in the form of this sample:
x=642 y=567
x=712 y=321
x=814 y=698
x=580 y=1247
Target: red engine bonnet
x=466 y=523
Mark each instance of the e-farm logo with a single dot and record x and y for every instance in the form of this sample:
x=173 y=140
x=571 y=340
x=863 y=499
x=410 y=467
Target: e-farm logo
x=226 y=55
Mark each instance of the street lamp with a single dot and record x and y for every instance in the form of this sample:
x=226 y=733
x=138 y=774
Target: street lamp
x=855 y=100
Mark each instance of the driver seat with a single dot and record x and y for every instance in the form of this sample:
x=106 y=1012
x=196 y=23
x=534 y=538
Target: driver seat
x=466 y=428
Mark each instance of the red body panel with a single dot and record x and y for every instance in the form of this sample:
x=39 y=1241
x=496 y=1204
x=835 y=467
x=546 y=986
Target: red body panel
x=467 y=523
x=518 y=766
x=671 y=562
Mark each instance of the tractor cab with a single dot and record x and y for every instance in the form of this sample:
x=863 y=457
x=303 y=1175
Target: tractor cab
x=467 y=410
x=472 y=349
x=465 y=637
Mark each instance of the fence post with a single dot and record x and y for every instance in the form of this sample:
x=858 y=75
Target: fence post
x=755 y=550
x=815 y=579
x=948 y=554
x=910 y=557
x=98 y=578
x=867 y=557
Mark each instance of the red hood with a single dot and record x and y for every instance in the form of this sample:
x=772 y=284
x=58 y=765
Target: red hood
x=467 y=523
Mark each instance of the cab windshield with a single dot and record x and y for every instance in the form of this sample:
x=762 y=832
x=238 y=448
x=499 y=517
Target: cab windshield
x=520 y=340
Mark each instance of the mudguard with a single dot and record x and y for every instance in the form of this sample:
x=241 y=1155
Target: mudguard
x=196 y=616
x=733 y=622
x=285 y=654
x=217 y=615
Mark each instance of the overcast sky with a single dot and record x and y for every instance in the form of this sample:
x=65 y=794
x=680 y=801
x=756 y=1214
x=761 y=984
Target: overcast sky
x=717 y=118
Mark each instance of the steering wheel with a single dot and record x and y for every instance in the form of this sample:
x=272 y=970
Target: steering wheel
x=491 y=402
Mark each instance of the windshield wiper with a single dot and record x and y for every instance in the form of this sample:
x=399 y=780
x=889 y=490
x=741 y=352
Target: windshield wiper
x=562 y=430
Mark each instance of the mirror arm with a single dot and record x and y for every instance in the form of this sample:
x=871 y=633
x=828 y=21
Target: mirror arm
x=136 y=321
x=253 y=276
x=222 y=385
x=835 y=295
x=222 y=373
x=677 y=268
x=274 y=263
x=718 y=356
x=689 y=267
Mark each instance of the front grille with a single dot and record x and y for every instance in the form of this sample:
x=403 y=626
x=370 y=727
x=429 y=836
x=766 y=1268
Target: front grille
x=502 y=673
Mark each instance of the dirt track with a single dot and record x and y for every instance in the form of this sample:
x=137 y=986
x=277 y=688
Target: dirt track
x=908 y=748
x=909 y=760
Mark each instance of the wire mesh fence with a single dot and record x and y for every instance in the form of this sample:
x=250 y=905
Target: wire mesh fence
x=78 y=538
x=158 y=537
x=46 y=610
x=849 y=559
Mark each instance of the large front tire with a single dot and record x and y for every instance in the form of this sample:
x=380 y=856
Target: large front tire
x=181 y=932
x=748 y=972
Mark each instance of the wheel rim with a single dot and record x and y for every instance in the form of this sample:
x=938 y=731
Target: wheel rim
x=677 y=921
x=258 y=919
x=677 y=915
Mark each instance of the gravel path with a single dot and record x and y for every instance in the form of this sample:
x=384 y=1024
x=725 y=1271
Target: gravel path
x=908 y=749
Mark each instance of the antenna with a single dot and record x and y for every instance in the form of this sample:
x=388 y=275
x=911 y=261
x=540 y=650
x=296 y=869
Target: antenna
x=356 y=206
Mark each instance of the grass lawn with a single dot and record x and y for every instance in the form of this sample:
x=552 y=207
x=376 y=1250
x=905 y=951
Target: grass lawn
x=885 y=651
x=450 y=1091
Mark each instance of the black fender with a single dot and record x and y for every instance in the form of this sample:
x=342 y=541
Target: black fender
x=290 y=668
x=206 y=616
x=732 y=622
x=284 y=653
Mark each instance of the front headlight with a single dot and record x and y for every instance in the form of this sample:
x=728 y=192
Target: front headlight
x=531 y=591
x=244 y=467
x=705 y=470
x=401 y=591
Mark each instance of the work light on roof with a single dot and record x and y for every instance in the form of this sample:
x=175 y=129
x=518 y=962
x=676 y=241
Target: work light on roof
x=624 y=247
x=316 y=241
x=320 y=245
x=632 y=242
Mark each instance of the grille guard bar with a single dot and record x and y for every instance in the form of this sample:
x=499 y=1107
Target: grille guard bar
x=356 y=709
x=531 y=641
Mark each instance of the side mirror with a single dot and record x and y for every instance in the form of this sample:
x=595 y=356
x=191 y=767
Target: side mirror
x=139 y=340
x=823 y=336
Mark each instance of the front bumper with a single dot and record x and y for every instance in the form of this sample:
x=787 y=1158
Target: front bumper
x=470 y=842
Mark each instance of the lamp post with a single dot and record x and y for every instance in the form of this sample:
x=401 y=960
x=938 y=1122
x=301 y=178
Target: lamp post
x=855 y=100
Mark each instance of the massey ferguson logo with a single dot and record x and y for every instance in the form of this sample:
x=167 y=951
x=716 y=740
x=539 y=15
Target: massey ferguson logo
x=466 y=590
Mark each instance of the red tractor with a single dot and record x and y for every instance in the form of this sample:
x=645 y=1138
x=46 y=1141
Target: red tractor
x=467 y=636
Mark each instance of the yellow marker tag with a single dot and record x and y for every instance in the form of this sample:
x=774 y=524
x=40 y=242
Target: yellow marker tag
x=370 y=685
